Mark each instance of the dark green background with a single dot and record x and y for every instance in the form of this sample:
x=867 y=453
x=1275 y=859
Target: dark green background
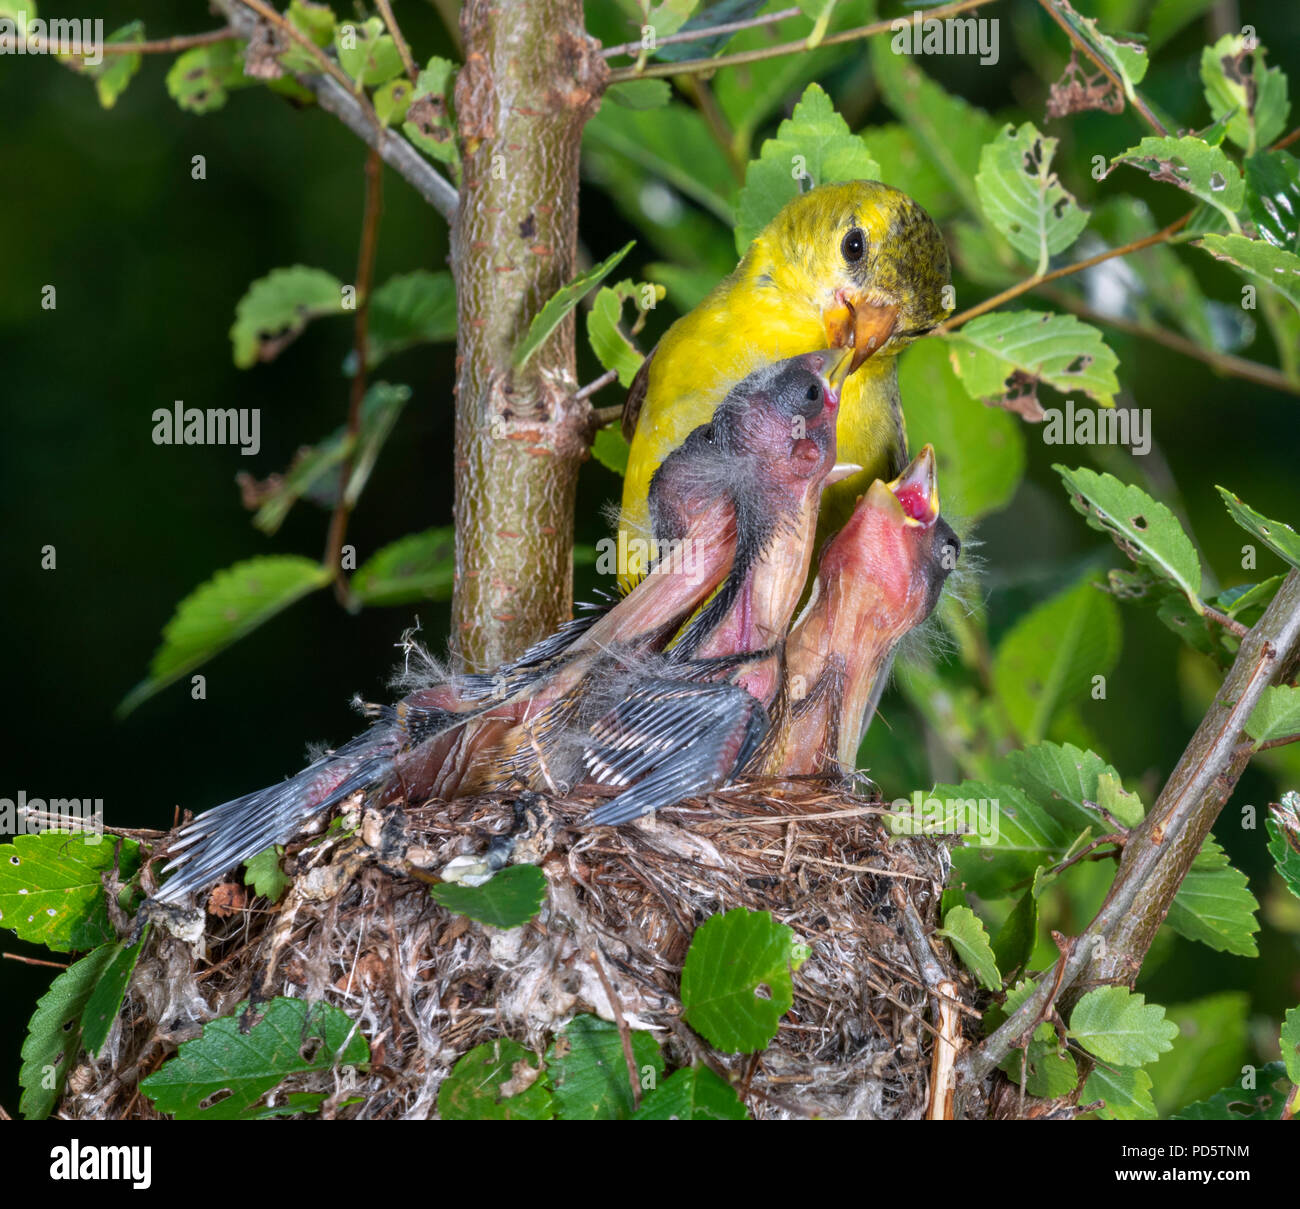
x=149 y=264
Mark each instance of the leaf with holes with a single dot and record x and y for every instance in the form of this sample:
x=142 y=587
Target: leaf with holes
x=1262 y=1100
x=693 y=1093
x=1284 y=839
x=509 y=899
x=1194 y=166
x=232 y=604
x=1010 y=350
x=225 y=1074
x=51 y=892
x=736 y=981
x=419 y=567
x=1125 y=57
x=558 y=306
x=1241 y=90
x=613 y=349
x=430 y=120
x=200 y=79
x=814 y=143
x=1147 y=531
x=1259 y=259
x=1050 y=657
x=1278 y=537
x=1214 y=904
x=1024 y=198
x=967 y=934
x=54 y=1032
x=497 y=1081
x=589 y=1074
x=276 y=308
x=1120 y=1027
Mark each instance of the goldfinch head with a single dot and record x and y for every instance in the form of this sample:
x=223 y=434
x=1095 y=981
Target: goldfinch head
x=866 y=257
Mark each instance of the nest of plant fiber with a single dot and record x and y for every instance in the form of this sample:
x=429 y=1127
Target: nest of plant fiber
x=358 y=928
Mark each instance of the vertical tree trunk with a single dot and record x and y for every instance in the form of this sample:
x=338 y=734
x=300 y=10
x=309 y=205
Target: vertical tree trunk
x=532 y=77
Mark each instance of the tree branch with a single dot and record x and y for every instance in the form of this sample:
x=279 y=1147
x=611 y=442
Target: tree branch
x=660 y=70
x=1161 y=849
x=358 y=116
x=532 y=78
x=710 y=31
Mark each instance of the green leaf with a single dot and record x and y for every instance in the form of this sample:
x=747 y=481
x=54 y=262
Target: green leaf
x=813 y=144
x=1062 y=773
x=711 y=15
x=1014 y=943
x=277 y=307
x=54 y=1032
x=905 y=165
x=1263 y=1100
x=610 y=448
x=1169 y=16
x=430 y=122
x=1024 y=198
x=736 y=981
x=668 y=16
x=1194 y=166
x=113 y=72
x=474 y=1089
x=201 y=78
x=1008 y=351
x=671 y=146
x=948 y=130
x=317 y=21
x=508 y=899
x=1208 y=1051
x=1126 y=1091
x=1147 y=531
x=1284 y=839
x=314 y=472
x=1273 y=198
x=1119 y=1026
x=558 y=306
x=589 y=1072
x=1289 y=1040
x=1276 y=715
x=105 y=1000
x=419 y=567
x=1049 y=1070
x=980 y=450
x=366 y=53
x=612 y=348
x=640 y=94
x=393 y=100
x=264 y=874
x=232 y=604
x=1281 y=539
x=1050 y=656
x=965 y=930
x=693 y=1093
x=1215 y=906
x=1241 y=89
x=1126 y=57
x=1259 y=259
x=51 y=892
x=225 y=1073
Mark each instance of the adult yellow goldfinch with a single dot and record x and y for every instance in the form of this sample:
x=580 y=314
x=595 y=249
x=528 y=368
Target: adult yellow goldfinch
x=857 y=264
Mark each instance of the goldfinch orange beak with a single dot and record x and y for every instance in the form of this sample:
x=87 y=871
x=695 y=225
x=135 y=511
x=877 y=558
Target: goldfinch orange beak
x=855 y=323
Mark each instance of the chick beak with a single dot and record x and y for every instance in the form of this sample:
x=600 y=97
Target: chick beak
x=855 y=323
x=917 y=489
x=841 y=471
x=839 y=371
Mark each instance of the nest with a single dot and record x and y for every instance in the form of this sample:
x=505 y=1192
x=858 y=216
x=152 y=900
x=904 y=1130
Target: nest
x=359 y=930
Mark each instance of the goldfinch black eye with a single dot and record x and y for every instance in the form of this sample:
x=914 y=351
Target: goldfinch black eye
x=854 y=245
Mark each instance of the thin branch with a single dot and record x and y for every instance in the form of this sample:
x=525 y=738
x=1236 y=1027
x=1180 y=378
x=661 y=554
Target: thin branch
x=692 y=66
x=1132 y=97
x=1162 y=848
x=169 y=46
x=1040 y=279
x=34 y=961
x=1249 y=749
x=361 y=347
x=624 y=1036
x=1286 y=140
x=357 y=115
x=696 y=35
x=610 y=375
x=403 y=49
x=1231 y=624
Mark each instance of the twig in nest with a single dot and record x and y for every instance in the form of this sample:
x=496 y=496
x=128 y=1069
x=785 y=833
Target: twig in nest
x=624 y=1036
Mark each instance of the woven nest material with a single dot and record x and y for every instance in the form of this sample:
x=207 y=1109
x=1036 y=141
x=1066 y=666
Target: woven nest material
x=359 y=931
